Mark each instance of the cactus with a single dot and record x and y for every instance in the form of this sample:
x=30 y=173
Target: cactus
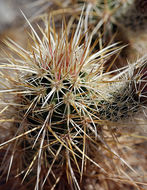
x=54 y=87
x=59 y=99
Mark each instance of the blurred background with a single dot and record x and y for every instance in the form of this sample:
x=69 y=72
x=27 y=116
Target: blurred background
x=10 y=14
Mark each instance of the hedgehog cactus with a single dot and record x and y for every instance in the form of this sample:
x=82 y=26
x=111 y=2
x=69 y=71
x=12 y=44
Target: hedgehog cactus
x=61 y=97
